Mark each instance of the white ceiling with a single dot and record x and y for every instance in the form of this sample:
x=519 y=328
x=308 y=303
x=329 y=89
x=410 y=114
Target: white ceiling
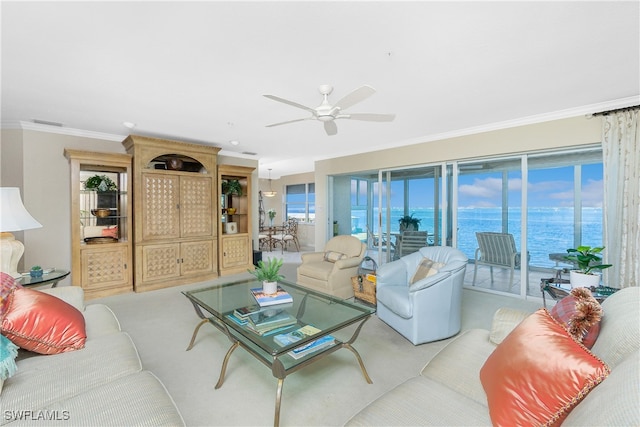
x=196 y=71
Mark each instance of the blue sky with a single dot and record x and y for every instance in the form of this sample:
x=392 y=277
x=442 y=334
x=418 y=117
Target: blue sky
x=550 y=187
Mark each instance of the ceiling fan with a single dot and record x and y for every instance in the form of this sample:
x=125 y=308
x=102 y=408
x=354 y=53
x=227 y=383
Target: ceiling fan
x=327 y=113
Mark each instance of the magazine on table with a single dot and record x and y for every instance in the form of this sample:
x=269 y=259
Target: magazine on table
x=296 y=335
x=281 y=296
x=313 y=346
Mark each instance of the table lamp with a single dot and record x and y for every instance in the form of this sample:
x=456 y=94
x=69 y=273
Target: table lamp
x=13 y=217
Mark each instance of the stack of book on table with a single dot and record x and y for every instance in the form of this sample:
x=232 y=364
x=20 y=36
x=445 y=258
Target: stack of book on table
x=269 y=320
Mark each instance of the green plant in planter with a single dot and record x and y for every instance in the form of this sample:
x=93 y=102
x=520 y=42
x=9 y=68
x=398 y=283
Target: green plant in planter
x=587 y=259
x=100 y=183
x=232 y=187
x=408 y=221
x=268 y=272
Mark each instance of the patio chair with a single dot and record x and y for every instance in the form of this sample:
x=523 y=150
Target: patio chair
x=496 y=250
x=410 y=242
x=373 y=238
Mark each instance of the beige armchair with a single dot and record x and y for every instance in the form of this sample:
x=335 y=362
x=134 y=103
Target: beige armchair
x=330 y=271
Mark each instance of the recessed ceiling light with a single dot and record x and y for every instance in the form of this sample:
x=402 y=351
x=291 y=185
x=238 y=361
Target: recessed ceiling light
x=234 y=142
x=129 y=125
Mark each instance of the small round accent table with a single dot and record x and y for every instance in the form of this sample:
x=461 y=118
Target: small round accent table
x=48 y=278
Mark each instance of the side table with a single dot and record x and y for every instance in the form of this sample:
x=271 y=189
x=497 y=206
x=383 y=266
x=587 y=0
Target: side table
x=49 y=278
x=560 y=288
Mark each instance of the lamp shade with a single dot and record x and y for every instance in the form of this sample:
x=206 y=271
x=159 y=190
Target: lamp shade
x=13 y=214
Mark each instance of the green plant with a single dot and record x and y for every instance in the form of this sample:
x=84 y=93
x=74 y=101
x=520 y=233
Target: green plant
x=271 y=213
x=100 y=183
x=587 y=259
x=36 y=268
x=231 y=187
x=408 y=220
x=268 y=272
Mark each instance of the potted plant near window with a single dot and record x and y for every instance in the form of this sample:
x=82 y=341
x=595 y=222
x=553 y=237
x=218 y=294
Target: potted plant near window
x=269 y=274
x=408 y=222
x=587 y=259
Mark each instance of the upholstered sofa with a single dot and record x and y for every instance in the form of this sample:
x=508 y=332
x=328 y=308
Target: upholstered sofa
x=449 y=391
x=423 y=307
x=101 y=384
x=330 y=271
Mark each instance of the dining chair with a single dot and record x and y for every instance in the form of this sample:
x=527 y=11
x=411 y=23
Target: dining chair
x=288 y=234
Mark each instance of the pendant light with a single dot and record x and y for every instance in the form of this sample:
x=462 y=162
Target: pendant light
x=269 y=193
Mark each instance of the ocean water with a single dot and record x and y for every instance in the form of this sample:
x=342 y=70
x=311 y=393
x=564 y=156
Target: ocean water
x=550 y=230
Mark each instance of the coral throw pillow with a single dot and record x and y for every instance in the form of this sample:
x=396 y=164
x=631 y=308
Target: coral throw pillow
x=580 y=313
x=538 y=374
x=42 y=323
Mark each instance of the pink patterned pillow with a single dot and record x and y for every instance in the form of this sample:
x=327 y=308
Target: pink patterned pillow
x=7 y=284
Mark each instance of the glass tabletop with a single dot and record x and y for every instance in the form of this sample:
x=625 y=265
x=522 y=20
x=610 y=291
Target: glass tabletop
x=51 y=277
x=322 y=311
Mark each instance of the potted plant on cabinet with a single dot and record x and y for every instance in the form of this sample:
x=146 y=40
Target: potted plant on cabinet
x=587 y=259
x=232 y=187
x=100 y=183
x=409 y=222
x=269 y=274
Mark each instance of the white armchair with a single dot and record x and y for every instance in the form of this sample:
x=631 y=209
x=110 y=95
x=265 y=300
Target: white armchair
x=430 y=308
x=330 y=271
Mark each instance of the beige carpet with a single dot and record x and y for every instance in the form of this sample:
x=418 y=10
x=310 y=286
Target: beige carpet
x=326 y=393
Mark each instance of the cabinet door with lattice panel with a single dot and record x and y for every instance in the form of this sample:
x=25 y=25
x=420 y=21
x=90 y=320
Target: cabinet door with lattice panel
x=160 y=206
x=196 y=206
x=235 y=251
x=197 y=257
x=105 y=267
x=159 y=262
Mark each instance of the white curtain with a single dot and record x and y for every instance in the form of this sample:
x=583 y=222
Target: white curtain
x=621 y=159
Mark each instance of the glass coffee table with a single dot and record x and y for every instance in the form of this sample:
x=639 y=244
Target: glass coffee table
x=329 y=314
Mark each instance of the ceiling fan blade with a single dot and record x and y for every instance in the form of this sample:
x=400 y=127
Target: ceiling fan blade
x=286 y=101
x=354 y=97
x=288 y=121
x=330 y=127
x=369 y=117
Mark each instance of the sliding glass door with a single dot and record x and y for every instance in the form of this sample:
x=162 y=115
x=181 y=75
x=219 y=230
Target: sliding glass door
x=548 y=202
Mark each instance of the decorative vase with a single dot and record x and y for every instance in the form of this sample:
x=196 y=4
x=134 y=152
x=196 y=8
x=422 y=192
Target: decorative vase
x=269 y=287
x=35 y=273
x=581 y=280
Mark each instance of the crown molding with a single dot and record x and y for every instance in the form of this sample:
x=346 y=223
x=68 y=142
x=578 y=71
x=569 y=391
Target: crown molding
x=586 y=110
x=61 y=130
